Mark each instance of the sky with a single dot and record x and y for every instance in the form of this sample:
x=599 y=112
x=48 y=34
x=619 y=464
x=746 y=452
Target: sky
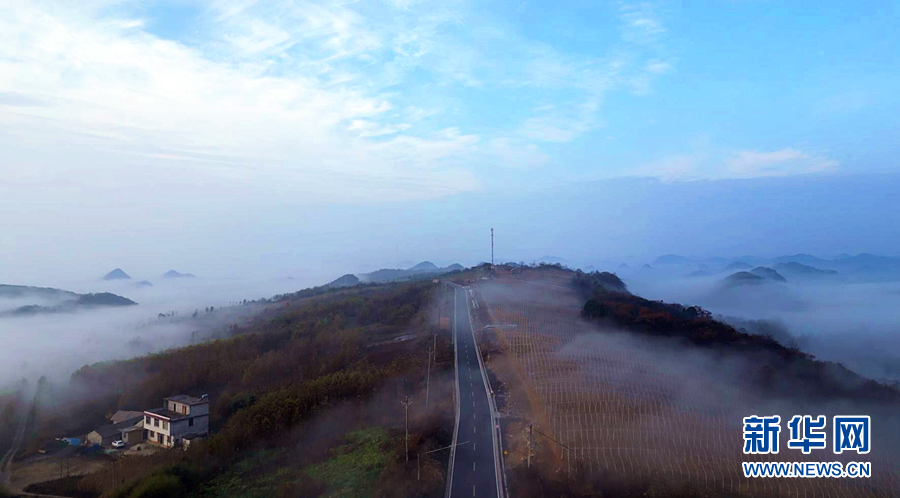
x=286 y=137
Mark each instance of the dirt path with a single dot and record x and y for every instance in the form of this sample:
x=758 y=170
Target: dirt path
x=48 y=468
x=6 y=461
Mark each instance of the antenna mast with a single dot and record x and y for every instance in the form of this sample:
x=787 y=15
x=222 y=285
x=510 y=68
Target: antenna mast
x=492 y=248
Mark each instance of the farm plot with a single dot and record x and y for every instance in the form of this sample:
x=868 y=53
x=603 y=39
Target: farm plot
x=612 y=404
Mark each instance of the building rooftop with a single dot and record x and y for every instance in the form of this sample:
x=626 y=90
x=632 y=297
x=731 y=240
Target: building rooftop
x=123 y=415
x=188 y=400
x=113 y=429
x=169 y=414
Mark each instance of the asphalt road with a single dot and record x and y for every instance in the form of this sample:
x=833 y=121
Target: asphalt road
x=474 y=468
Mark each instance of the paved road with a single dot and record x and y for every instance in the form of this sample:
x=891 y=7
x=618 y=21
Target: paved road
x=475 y=464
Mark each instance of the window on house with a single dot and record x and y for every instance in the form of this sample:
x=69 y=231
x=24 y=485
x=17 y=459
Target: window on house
x=156 y=422
x=147 y=418
x=165 y=425
x=190 y=422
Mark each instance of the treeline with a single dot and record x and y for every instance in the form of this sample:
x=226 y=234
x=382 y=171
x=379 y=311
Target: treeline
x=784 y=370
x=589 y=283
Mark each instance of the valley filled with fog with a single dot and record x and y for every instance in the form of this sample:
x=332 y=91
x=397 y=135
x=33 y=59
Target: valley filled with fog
x=851 y=322
x=58 y=343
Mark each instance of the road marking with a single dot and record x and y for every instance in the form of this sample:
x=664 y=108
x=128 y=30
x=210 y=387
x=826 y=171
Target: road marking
x=473 y=429
x=473 y=490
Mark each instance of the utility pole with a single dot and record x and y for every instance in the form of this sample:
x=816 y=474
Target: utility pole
x=428 y=379
x=492 y=248
x=406 y=405
x=530 y=442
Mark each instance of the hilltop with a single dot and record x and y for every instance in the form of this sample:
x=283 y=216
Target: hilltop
x=347 y=280
x=768 y=274
x=26 y=291
x=424 y=265
x=421 y=270
x=799 y=270
x=176 y=274
x=50 y=300
x=117 y=274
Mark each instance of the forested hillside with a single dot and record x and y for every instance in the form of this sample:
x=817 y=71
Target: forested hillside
x=301 y=360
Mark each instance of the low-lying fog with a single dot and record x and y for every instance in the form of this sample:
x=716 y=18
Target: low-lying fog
x=857 y=324
x=56 y=344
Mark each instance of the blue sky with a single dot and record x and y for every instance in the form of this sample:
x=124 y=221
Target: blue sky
x=191 y=106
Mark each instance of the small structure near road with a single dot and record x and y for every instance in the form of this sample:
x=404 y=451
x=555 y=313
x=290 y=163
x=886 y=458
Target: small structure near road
x=129 y=430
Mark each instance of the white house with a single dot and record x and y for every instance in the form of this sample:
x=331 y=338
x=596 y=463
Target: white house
x=180 y=417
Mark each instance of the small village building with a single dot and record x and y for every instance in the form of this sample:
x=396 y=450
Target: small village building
x=123 y=415
x=131 y=428
x=179 y=418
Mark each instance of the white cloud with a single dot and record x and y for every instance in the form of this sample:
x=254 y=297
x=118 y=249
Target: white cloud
x=711 y=163
x=111 y=90
x=658 y=67
x=788 y=161
x=641 y=24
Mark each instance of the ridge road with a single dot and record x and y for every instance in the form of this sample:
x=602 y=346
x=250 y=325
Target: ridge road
x=474 y=467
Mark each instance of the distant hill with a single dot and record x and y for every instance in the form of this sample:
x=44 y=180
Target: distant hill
x=347 y=280
x=867 y=266
x=117 y=274
x=49 y=300
x=799 y=270
x=738 y=265
x=144 y=283
x=806 y=259
x=421 y=270
x=743 y=278
x=758 y=275
x=553 y=260
x=768 y=273
x=672 y=259
x=103 y=299
x=26 y=291
x=175 y=274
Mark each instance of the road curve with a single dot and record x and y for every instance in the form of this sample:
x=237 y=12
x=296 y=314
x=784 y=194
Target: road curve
x=474 y=467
